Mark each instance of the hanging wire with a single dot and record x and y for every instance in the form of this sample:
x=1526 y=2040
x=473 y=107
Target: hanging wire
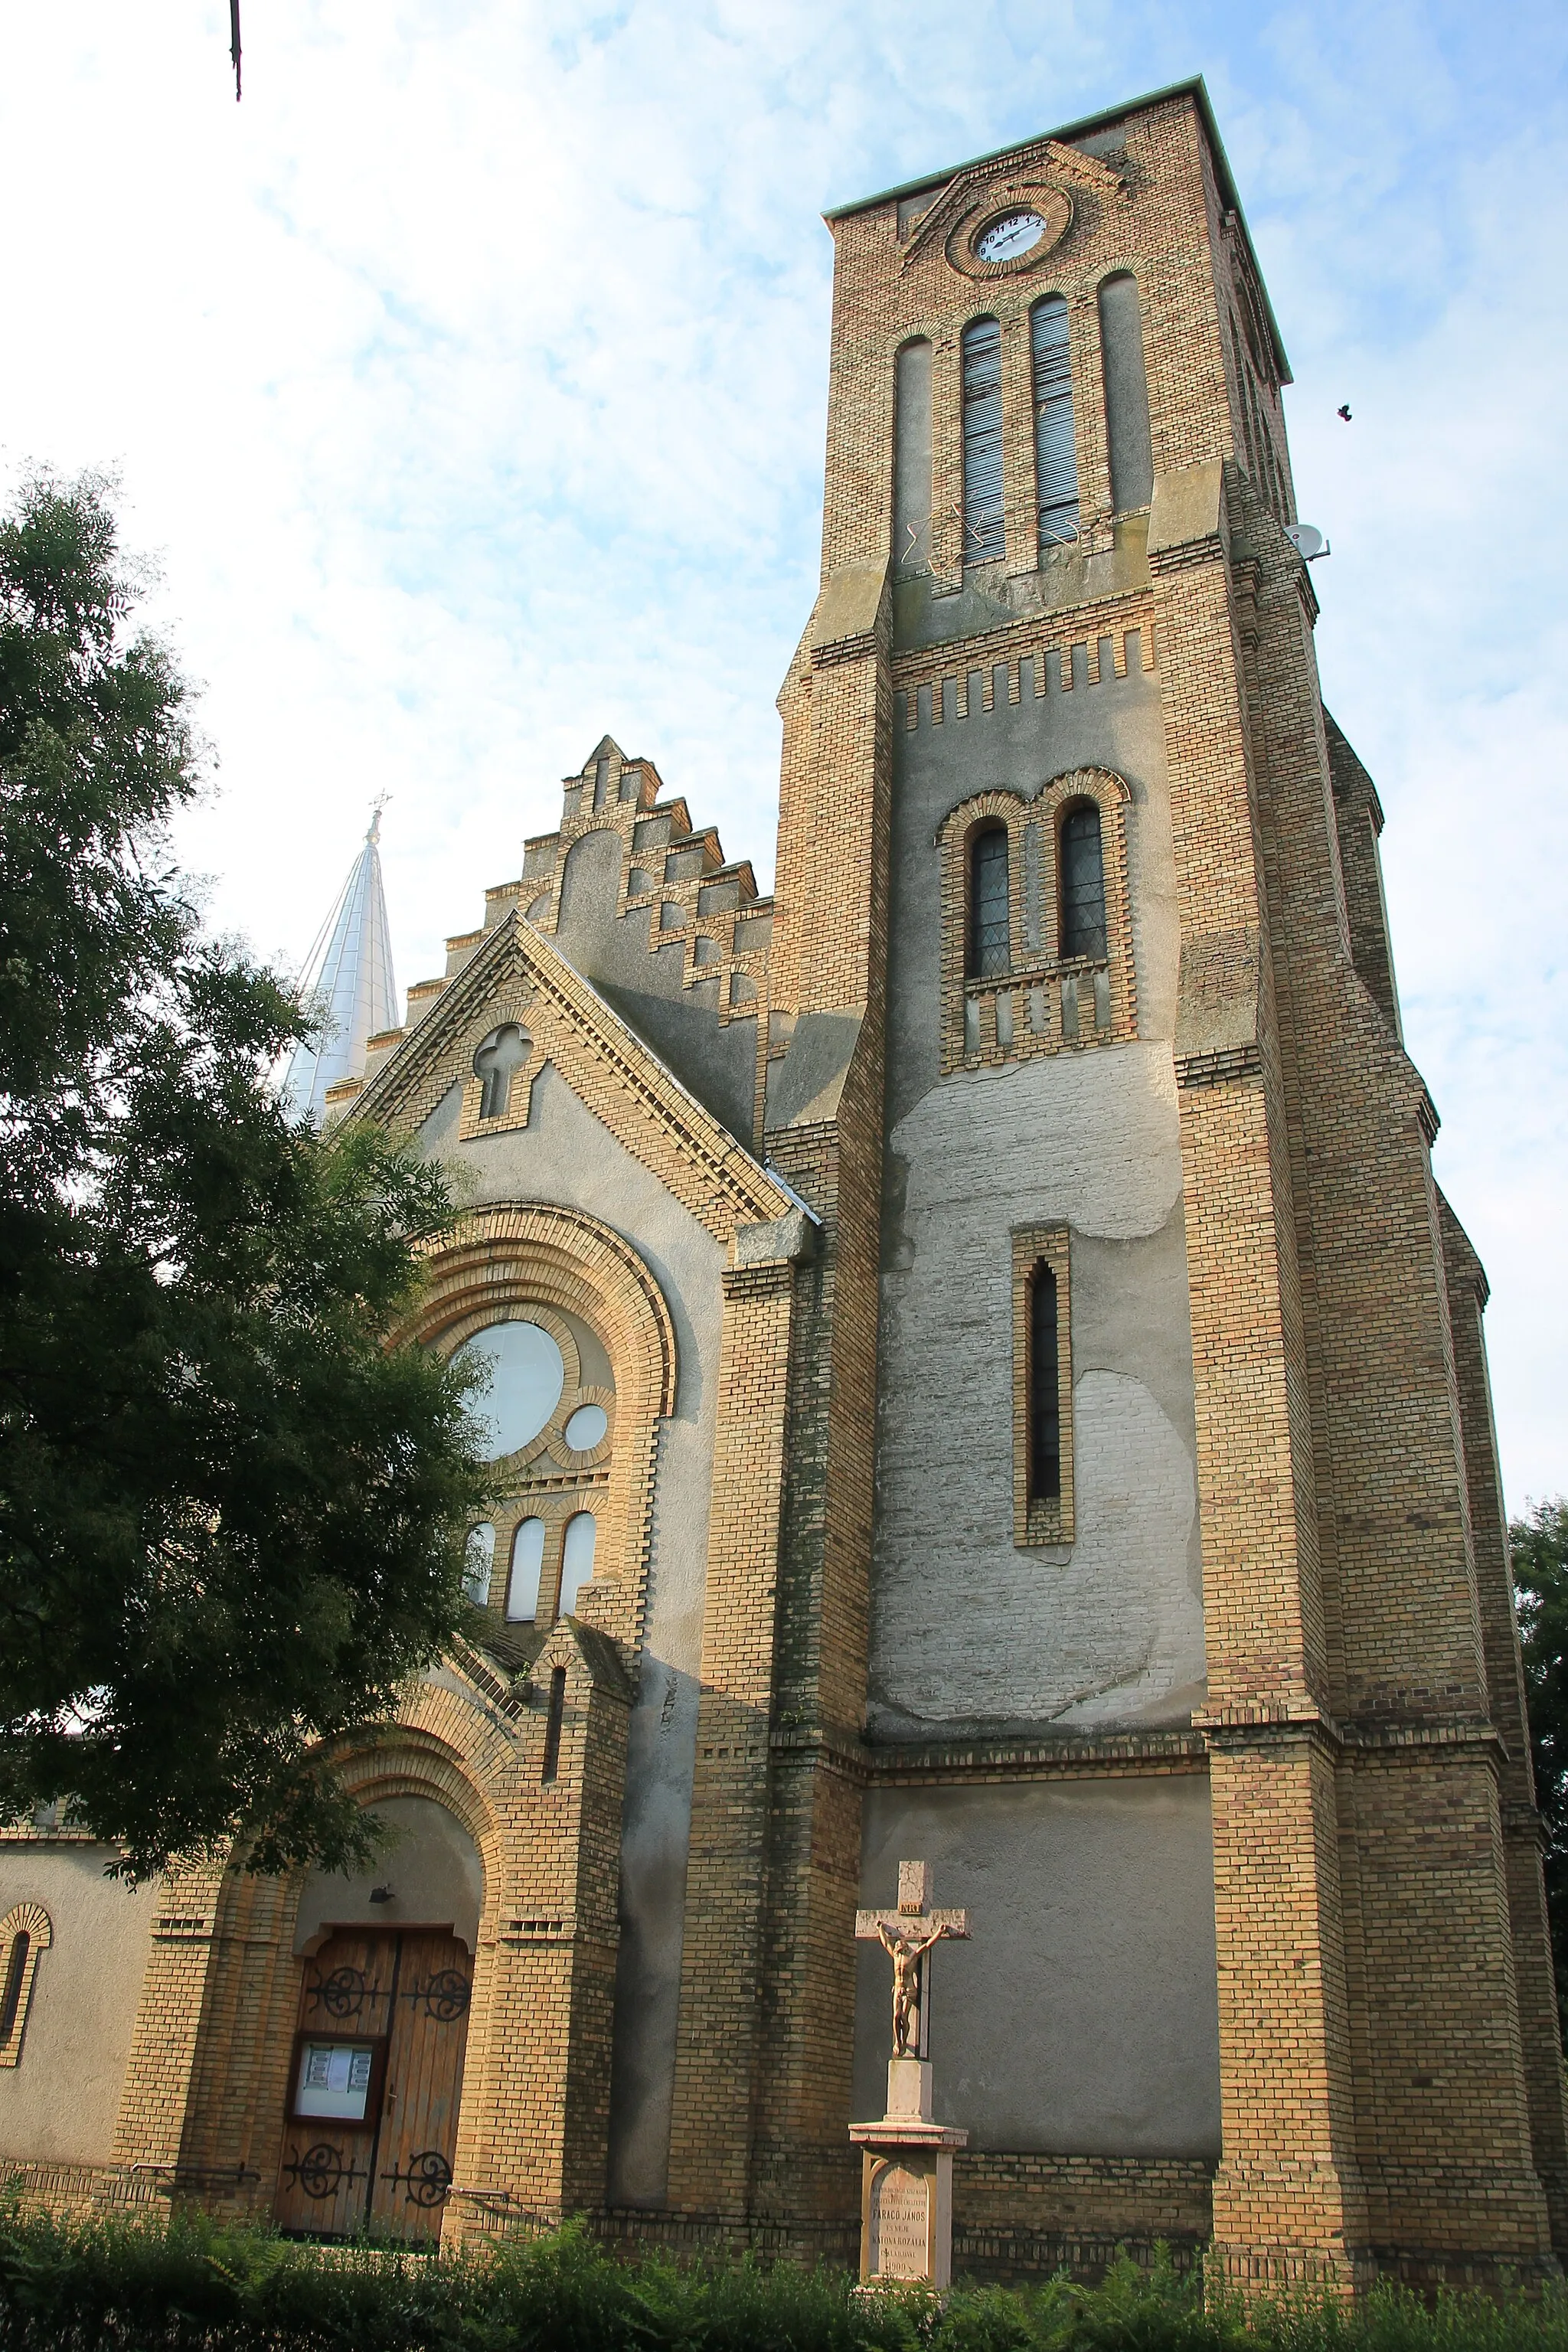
x=234 y=44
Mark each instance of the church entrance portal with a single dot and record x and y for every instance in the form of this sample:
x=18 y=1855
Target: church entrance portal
x=374 y=2084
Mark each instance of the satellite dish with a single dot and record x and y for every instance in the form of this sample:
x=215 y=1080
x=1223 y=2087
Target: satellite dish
x=1308 y=541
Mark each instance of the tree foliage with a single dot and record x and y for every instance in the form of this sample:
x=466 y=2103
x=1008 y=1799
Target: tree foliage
x=230 y=1516
x=1540 y=1544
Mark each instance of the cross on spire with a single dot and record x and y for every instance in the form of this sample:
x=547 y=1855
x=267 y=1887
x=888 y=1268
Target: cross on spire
x=907 y=1935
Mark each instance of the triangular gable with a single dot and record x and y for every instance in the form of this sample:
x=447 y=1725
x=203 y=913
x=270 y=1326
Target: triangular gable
x=1051 y=156
x=519 y=976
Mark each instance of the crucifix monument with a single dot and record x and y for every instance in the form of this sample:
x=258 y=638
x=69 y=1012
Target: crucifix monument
x=906 y=2175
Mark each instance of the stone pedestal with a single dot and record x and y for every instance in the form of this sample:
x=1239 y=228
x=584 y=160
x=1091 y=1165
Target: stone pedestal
x=906 y=2182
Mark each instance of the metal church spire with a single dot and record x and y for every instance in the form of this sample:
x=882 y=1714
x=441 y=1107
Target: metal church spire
x=348 y=973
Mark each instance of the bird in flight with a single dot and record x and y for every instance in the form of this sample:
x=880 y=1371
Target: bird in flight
x=1344 y=411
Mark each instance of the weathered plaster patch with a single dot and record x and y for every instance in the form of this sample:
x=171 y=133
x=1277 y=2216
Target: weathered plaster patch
x=1110 y=1632
x=1090 y=1138
x=967 y=1630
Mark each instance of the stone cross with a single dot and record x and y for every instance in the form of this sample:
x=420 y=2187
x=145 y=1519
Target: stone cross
x=907 y=1935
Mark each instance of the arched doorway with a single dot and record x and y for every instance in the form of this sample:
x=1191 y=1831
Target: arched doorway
x=375 y=2074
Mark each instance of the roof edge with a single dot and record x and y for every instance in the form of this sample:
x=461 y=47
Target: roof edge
x=1194 y=86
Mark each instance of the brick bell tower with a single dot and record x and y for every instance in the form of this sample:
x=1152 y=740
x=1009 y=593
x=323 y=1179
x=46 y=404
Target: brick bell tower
x=1056 y=586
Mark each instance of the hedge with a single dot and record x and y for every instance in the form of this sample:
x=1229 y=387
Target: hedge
x=192 y=2286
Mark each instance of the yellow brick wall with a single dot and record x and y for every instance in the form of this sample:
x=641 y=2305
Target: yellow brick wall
x=1391 y=2086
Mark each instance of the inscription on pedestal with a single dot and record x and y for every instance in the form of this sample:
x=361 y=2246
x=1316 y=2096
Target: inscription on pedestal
x=901 y=2224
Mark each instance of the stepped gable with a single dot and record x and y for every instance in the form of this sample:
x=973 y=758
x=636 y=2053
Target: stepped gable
x=671 y=934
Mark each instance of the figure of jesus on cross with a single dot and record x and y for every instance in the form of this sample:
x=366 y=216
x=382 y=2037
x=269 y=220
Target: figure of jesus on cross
x=907 y=1935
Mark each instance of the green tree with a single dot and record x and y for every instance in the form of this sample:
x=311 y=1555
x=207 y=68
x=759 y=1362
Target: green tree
x=1540 y=1543
x=231 y=1518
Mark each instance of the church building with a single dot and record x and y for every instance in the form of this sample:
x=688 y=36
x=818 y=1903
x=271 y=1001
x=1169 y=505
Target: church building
x=980 y=1371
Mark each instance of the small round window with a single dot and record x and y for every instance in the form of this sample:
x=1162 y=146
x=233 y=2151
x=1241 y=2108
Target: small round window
x=586 y=1427
x=525 y=1378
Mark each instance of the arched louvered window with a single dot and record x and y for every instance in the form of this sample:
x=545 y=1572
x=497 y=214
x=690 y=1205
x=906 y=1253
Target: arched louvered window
x=1056 y=443
x=1045 y=1390
x=984 y=531
x=1083 y=883
x=989 y=931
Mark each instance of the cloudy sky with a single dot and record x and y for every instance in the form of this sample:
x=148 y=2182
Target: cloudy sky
x=468 y=380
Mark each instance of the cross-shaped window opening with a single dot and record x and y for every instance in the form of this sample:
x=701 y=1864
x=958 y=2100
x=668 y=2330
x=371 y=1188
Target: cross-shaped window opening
x=503 y=1053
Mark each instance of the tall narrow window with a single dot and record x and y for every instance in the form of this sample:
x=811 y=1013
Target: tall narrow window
x=1242 y=403
x=912 y=459
x=984 y=531
x=990 y=940
x=552 y=1722
x=1126 y=394
x=577 y=1559
x=526 y=1559
x=1055 y=444
x=24 y=1932
x=478 y=1559
x=1045 y=1390
x=1042 y=1386
x=11 y=1994
x=1083 y=883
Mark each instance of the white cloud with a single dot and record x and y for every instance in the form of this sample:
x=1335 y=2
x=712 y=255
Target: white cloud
x=470 y=378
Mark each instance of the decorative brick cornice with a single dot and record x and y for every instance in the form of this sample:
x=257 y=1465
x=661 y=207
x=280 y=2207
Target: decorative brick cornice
x=1036 y=638
x=982 y=1758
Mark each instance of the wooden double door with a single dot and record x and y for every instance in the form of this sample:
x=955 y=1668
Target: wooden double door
x=375 y=2080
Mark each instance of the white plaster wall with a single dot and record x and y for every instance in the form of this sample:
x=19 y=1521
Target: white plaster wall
x=1082 y=2016
x=565 y=1156
x=61 y=2102
x=969 y=1632
x=429 y=1871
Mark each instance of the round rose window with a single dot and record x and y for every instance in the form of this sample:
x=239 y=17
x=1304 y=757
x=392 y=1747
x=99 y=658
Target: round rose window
x=524 y=1377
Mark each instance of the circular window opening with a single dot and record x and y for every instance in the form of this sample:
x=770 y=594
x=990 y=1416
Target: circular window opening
x=524 y=1379
x=1014 y=234
x=586 y=1427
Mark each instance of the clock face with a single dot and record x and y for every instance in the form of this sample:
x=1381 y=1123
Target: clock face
x=1013 y=234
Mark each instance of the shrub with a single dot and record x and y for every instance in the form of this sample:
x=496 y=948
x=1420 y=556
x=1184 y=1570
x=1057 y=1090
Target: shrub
x=190 y=2284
